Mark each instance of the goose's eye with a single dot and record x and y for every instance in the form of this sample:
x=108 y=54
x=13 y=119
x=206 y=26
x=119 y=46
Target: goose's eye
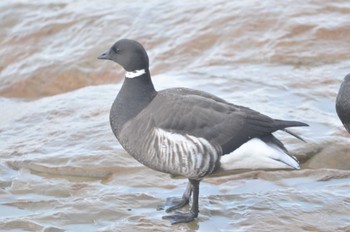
x=116 y=50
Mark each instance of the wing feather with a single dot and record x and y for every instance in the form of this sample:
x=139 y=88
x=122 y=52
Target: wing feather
x=204 y=115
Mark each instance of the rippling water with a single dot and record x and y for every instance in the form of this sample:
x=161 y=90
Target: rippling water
x=61 y=167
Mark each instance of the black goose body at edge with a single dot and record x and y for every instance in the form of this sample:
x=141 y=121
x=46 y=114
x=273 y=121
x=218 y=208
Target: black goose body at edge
x=343 y=103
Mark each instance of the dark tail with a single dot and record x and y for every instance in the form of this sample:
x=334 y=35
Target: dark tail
x=284 y=124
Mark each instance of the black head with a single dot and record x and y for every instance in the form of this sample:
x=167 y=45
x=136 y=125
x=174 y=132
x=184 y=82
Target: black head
x=130 y=54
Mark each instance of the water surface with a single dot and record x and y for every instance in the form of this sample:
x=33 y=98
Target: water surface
x=61 y=167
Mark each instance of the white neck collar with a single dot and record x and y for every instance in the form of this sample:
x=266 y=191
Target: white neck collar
x=135 y=73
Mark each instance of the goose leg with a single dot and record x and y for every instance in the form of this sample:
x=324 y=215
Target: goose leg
x=173 y=203
x=179 y=217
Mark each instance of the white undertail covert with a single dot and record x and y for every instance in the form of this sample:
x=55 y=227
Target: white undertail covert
x=256 y=154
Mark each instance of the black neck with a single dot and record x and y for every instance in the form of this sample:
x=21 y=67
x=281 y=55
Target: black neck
x=136 y=93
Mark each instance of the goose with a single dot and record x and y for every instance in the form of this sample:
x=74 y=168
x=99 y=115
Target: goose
x=187 y=132
x=342 y=104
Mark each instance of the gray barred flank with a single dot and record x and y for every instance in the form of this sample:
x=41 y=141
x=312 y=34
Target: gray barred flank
x=180 y=154
x=205 y=163
x=147 y=143
x=211 y=158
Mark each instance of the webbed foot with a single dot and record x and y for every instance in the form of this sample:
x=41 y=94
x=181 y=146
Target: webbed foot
x=173 y=203
x=180 y=217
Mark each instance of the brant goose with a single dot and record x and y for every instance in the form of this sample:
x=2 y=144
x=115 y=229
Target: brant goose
x=187 y=132
x=342 y=104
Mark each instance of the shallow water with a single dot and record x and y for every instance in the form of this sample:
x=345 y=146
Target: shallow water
x=61 y=167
